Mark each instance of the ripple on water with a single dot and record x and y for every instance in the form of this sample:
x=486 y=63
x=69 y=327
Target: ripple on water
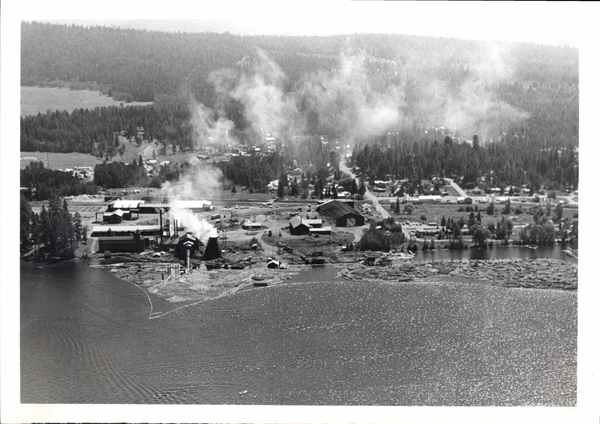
x=310 y=343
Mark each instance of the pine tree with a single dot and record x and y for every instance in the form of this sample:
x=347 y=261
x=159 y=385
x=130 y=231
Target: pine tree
x=26 y=216
x=77 y=227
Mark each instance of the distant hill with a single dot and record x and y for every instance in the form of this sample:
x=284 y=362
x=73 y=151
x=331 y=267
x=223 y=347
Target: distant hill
x=351 y=88
x=145 y=64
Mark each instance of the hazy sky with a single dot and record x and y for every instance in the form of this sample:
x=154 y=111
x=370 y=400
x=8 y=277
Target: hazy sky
x=538 y=22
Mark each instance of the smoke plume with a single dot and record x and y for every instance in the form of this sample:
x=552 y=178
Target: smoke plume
x=200 y=183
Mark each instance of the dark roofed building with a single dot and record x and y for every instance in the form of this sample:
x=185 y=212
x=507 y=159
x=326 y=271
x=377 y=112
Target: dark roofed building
x=341 y=214
x=121 y=243
x=300 y=226
x=297 y=227
x=187 y=242
x=114 y=217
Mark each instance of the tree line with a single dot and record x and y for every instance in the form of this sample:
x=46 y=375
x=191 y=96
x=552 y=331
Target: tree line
x=119 y=174
x=95 y=131
x=501 y=164
x=153 y=66
x=39 y=183
x=53 y=232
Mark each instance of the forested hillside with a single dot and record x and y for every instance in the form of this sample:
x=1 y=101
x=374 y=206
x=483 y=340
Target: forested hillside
x=520 y=100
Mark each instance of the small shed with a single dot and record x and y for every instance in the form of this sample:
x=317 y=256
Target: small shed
x=116 y=216
x=250 y=225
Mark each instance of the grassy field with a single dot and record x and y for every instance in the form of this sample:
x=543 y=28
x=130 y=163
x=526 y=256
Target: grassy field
x=42 y=99
x=58 y=160
x=435 y=212
x=132 y=151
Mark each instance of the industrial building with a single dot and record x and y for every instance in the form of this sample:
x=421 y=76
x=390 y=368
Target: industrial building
x=129 y=205
x=109 y=230
x=122 y=243
x=193 y=205
x=341 y=214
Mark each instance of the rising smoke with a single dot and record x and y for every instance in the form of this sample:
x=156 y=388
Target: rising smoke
x=200 y=183
x=365 y=96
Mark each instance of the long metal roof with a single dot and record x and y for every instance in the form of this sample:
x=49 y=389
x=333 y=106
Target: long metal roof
x=337 y=209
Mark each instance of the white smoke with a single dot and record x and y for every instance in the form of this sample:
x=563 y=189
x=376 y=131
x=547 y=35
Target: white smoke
x=474 y=111
x=208 y=130
x=200 y=183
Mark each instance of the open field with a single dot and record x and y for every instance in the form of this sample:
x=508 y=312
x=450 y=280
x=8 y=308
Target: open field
x=132 y=151
x=70 y=160
x=434 y=212
x=58 y=160
x=36 y=100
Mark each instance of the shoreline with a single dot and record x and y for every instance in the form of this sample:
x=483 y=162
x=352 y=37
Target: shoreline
x=202 y=285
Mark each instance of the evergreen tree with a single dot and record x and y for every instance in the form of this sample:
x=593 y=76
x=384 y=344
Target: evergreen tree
x=25 y=223
x=77 y=227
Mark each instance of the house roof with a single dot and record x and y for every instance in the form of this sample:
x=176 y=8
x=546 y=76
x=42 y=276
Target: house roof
x=297 y=220
x=311 y=222
x=103 y=229
x=320 y=230
x=252 y=224
x=116 y=238
x=189 y=204
x=126 y=204
x=188 y=237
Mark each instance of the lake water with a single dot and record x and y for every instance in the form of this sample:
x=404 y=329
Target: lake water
x=86 y=337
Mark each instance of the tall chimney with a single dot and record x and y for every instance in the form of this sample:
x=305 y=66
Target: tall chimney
x=161 y=227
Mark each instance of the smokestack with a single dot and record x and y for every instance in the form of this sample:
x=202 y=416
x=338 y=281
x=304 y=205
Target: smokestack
x=212 y=250
x=161 y=227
